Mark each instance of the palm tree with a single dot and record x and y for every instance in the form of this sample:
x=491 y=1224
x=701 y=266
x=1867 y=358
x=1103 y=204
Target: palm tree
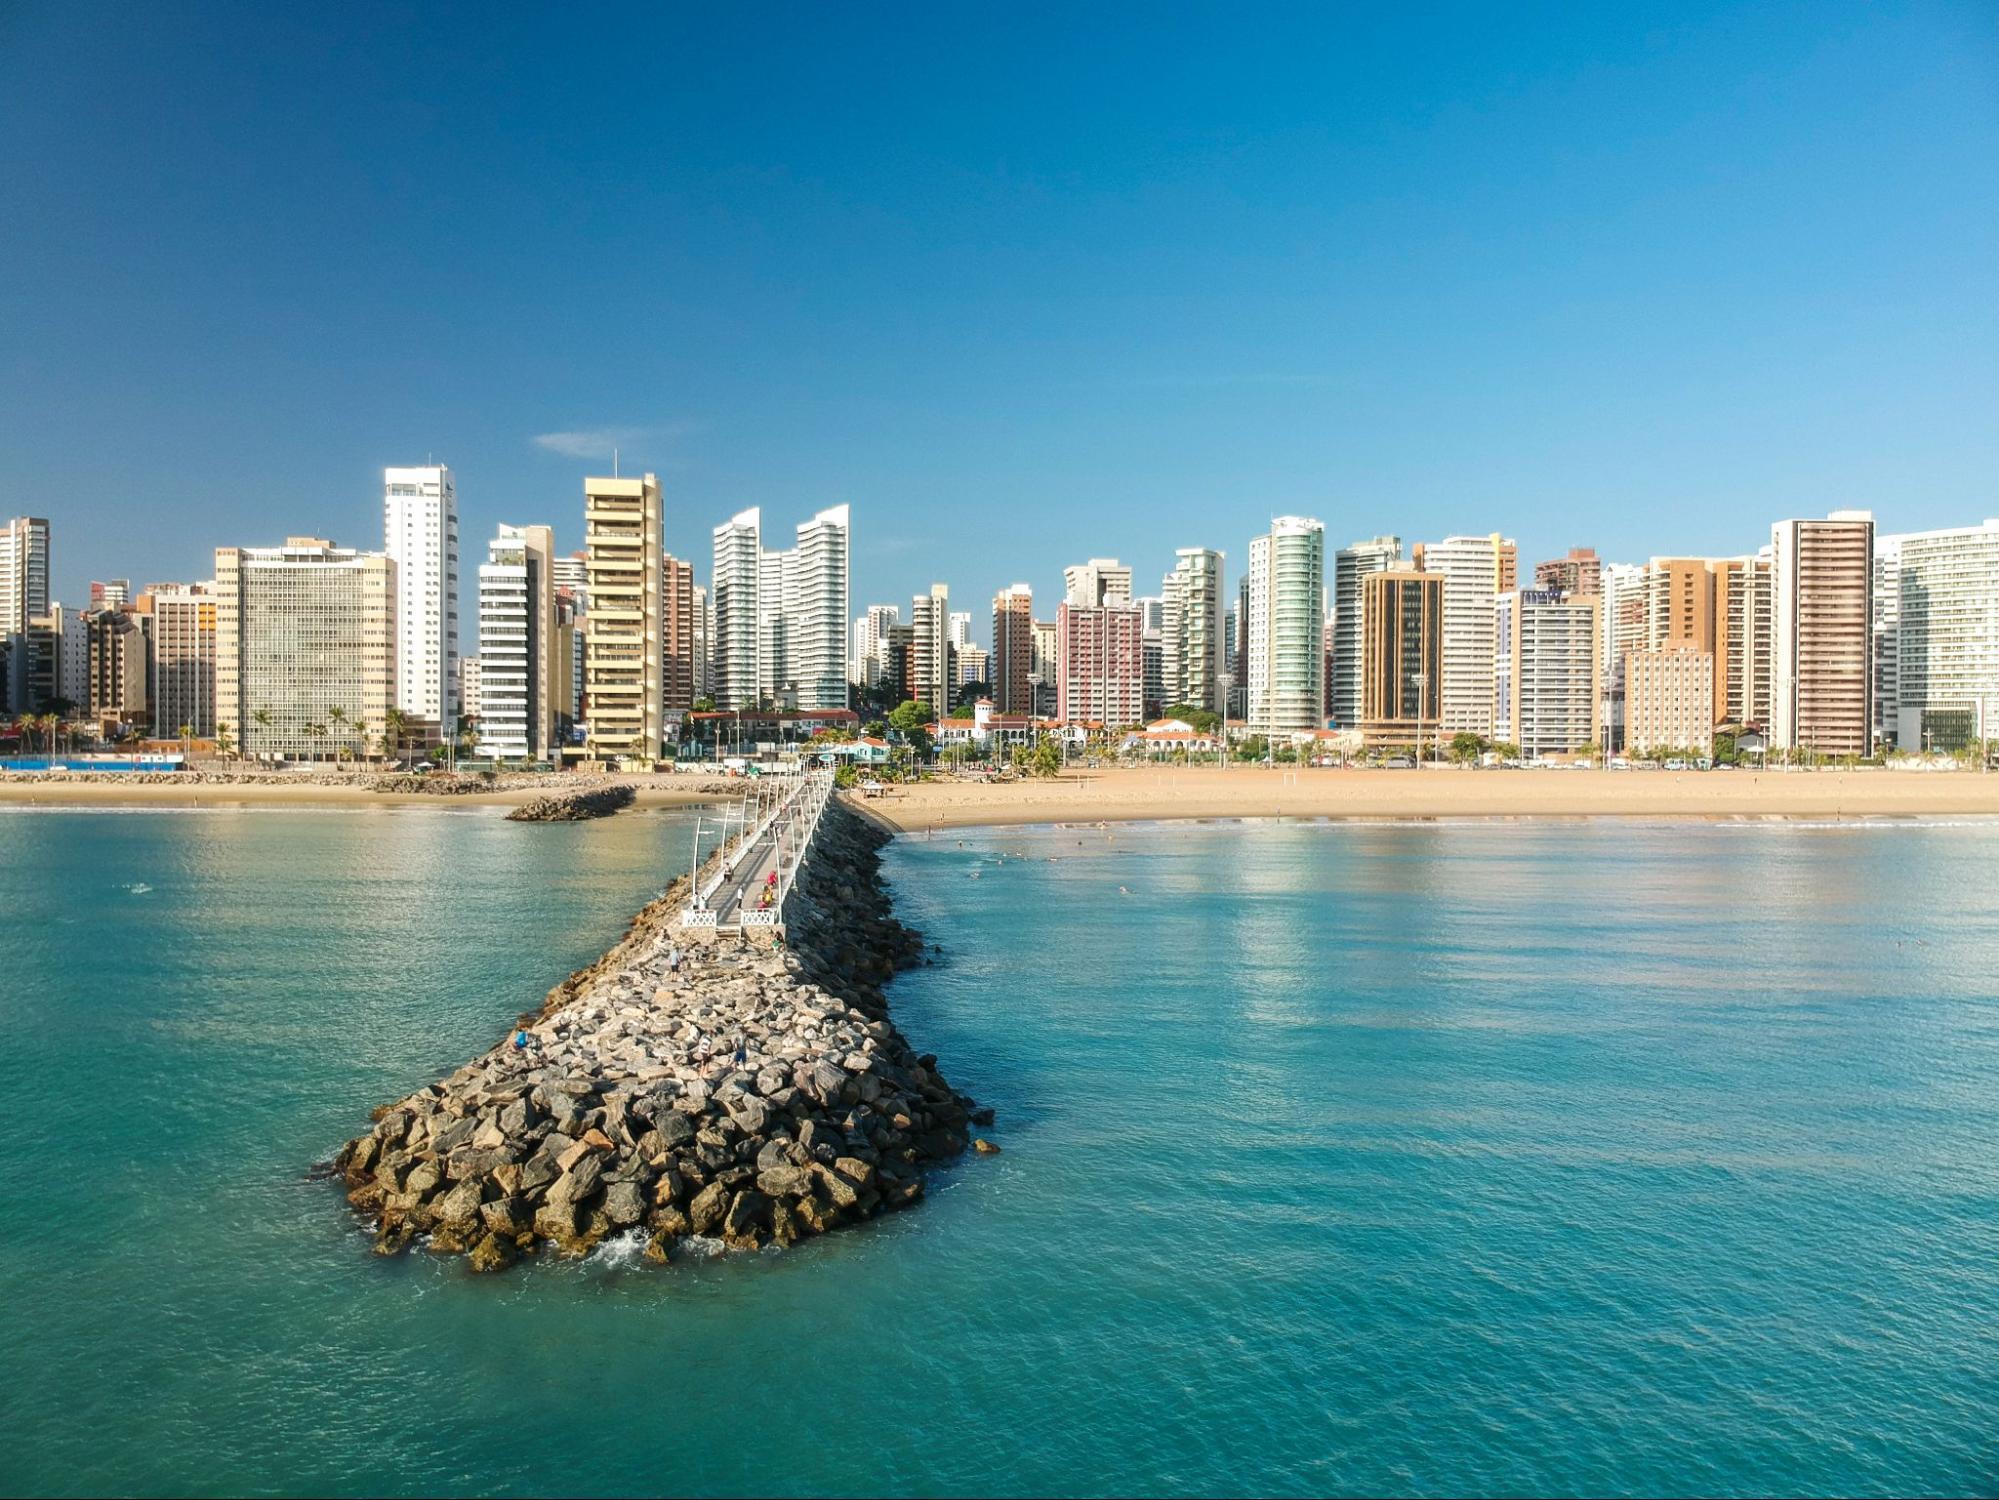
x=186 y=738
x=50 y=723
x=339 y=717
x=318 y=732
x=395 y=726
x=263 y=717
x=224 y=741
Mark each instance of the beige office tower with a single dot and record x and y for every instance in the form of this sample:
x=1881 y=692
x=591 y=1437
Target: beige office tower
x=1669 y=700
x=183 y=643
x=1822 y=618
x=305 y=648
x=1545 y=678
x=1742 y=641
x=624 y=645
x=1475 y=569
x=931 y=649
x=1191 y=647
x=1401 y=621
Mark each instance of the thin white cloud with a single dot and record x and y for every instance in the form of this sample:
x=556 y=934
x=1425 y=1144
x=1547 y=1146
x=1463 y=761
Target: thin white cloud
x=597 y=442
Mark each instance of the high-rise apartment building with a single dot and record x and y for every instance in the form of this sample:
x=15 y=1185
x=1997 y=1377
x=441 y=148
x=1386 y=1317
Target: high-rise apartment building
x=930 y=665
x=974 y=666
x=1044 y=668
x=517 y=673
x=872 y=666
x=679 y=631
x=1947 y=650
x=1742 y=641
x=704 y=645
x=738 y=601
x=1193 y=633
x=24 y=573
x=1545 y=678
x=1622 y=627
x=121 y=674
x=1013 y=650
x=420 y=525
x=624 y=650
x=1475 y=569
x=1100 y=664
x=110 y=593
x=183 y=646
x=1101 y=580
x=1669 y=699
x=815 y=601
x=471 y=703
x=1287 y=603
x=1884 y=657
x=961 y=628
x=1580 y=572
x=305 y=648
x=1350 y=566
x=1822 y=598
x=1402 y=657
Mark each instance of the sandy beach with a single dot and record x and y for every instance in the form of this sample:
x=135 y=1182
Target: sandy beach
x=108 y=791
x=1141 y=794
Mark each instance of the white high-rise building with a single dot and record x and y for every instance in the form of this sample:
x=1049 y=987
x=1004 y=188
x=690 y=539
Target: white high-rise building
x=738 y=602
x=1101 y=580
x=871 y=640
x=1350 y=566
x=517 y=710
x=24 y=573
x=1286 y=589
x=1192 y=649
x=1947 y=636
x=961 y=628
x=1544 y=684
x=704 y=647
x=816 y=596
x=1475 y=570
x=1622 y=628
x=420 y=526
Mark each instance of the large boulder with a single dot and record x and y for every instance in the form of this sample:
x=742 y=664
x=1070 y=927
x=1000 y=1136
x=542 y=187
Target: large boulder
x=709 y=1207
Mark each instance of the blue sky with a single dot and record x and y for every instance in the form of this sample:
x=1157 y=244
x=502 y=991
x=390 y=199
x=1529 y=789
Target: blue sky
x=1024 y=284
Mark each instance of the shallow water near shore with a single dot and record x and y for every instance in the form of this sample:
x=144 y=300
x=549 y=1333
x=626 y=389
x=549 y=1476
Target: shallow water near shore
x=1518 y=1156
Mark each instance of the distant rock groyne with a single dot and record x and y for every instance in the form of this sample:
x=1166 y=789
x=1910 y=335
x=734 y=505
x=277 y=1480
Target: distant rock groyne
x=574 y=807
x=759 y=1095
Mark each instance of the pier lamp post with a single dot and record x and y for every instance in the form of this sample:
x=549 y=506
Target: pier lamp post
x=1422 y=681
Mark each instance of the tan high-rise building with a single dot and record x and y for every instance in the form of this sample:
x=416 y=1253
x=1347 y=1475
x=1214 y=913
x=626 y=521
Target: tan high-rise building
x=305 y=648
x=183 y=643
x=1679 y=603
x=1822 y=619
x=930 y=614
x=679 y=631
x=1742 y=641
x=1669 y=700
x=1402 y=657
x=1044 y=668
x=624 y=646
x=1580 y=572
x=1013 y=650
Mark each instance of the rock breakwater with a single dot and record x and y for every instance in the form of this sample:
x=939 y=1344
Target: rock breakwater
x=574 y=807
x=756 y=1095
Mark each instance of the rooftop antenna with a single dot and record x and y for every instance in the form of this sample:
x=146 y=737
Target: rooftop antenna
x=614 y=462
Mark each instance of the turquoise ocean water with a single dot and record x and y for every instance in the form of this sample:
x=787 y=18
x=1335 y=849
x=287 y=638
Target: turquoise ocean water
x=1529 y=1157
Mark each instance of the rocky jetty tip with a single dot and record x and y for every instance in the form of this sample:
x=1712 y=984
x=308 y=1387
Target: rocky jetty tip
x=574 y=807
x=758 y=1095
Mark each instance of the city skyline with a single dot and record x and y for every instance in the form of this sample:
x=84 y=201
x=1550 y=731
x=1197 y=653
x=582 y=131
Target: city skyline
x=1385 y=287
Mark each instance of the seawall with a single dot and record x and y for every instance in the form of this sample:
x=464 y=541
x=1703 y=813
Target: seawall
x=759 y=1095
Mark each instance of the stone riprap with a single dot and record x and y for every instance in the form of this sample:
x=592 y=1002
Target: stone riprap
x=758 y=1096
x=574 y=807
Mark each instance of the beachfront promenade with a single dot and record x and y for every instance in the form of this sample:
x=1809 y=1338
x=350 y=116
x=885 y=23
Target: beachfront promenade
x=764 y=837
